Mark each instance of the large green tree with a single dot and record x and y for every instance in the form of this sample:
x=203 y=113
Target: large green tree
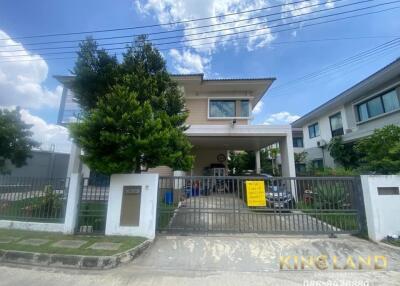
x=381 y=151
x=15 y=139
x=137 y=119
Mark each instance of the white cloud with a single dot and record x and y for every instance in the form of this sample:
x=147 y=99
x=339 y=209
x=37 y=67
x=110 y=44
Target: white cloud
x=187 y=62
x=180 y=10
x=22 y=78
x=47 y=134
x=283 y=117
x=257 y=109
x=303 y=7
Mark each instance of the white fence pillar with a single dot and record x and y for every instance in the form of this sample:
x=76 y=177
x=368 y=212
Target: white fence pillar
x=119 y=218
x=382 y=204
x=71 y=212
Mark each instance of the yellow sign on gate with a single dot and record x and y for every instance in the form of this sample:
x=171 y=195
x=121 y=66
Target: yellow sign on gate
x=255 y=191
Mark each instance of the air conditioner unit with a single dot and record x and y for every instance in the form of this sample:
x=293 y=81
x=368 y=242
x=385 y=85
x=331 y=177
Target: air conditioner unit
x=321 y=143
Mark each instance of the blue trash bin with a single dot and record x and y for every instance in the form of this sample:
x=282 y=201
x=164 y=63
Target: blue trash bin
x=169 y=197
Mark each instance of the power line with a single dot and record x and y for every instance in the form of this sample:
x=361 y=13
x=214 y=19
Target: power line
x=278 y=31
x=165 y=24
x=377 y=50
x=213 y=31
x=229 y=34
x=205 y=26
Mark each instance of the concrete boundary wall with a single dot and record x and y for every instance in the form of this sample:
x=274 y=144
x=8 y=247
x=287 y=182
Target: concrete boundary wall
x=382 y=205
x=34 y=226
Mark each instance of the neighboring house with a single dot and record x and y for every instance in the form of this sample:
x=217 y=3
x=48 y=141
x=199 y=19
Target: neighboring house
x=371 y=104
x=220 y=111
x=42 y=164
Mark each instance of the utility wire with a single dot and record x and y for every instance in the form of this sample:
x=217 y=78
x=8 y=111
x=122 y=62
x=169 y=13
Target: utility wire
x=377 y=50
x=278 y=31
x=212 y=31
x=204 y=26
x=208 y=37
x=169 y=23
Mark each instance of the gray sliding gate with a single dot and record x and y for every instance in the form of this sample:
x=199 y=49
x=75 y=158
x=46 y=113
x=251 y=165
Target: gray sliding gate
x=291 y=205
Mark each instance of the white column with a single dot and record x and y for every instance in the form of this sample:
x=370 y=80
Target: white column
x=74 y=163
x=287 y=161
x=258 y=162
x=74 y=175
x=71 y=211
x=287 y=156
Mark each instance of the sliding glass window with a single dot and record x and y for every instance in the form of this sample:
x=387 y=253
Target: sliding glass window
x=336 y=124
x=222 y=108
x=380 y=104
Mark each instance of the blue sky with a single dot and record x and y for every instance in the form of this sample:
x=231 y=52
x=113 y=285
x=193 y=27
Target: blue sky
x=29 y=83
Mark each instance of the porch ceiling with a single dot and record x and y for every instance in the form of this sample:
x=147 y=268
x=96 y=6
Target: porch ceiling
x=232 y=142
x=236 y=137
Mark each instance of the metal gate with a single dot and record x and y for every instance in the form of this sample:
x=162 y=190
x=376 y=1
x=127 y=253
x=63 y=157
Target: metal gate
x=292 y=205
x=92 y=209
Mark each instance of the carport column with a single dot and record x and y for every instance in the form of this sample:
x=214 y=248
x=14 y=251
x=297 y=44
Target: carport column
x=287 y=155
x=258 y=162
x=74 y=174
x=287 y=161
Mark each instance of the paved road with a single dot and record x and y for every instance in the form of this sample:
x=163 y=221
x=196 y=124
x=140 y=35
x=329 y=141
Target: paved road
x=227 y=260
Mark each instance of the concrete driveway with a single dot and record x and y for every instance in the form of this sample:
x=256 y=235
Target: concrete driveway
x=224 y=260
x=228 y=213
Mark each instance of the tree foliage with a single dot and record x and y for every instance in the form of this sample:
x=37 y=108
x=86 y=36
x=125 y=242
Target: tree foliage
x=15 y=139
x=137 y=118
x=240 y=163
x=381 y=151
x=344 y=154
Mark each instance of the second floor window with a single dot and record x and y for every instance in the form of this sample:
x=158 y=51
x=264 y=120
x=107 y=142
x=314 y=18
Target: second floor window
x=313 y=130
x=222 y=108
x=384 y=103
x=297 y=142
x=226 y=108
x=336 y=124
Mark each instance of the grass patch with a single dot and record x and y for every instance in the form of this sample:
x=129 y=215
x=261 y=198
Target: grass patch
x=395 y=242
x=127 y=242
x=166 y=212
x=347 y=221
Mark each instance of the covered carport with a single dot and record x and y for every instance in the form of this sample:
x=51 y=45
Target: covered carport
x=209 y=141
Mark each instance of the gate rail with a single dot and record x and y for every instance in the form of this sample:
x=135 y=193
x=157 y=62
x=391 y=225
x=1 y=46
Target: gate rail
x=292 y=205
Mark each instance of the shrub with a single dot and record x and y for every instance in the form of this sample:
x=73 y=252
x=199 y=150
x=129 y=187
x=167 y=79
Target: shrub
x=330 y=197
x=50 y=204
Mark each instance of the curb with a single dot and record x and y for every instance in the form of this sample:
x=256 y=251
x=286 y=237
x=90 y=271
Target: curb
x=73 y=261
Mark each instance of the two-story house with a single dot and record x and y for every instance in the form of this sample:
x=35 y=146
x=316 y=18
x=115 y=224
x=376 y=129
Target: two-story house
x=355 y=113
x=220 y=111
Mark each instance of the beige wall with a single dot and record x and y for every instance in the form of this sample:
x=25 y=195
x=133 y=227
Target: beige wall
x=161 y=170
x=204 y=158
x=198 y=114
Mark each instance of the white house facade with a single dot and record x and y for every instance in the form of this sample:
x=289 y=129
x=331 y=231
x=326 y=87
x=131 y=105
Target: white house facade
x=371 y=104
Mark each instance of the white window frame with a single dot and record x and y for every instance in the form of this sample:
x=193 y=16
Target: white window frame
x=229 y=98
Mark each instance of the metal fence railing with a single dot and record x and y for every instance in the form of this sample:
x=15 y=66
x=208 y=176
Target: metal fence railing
x=283 y=205
x=33 y=199
x=93 y=203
